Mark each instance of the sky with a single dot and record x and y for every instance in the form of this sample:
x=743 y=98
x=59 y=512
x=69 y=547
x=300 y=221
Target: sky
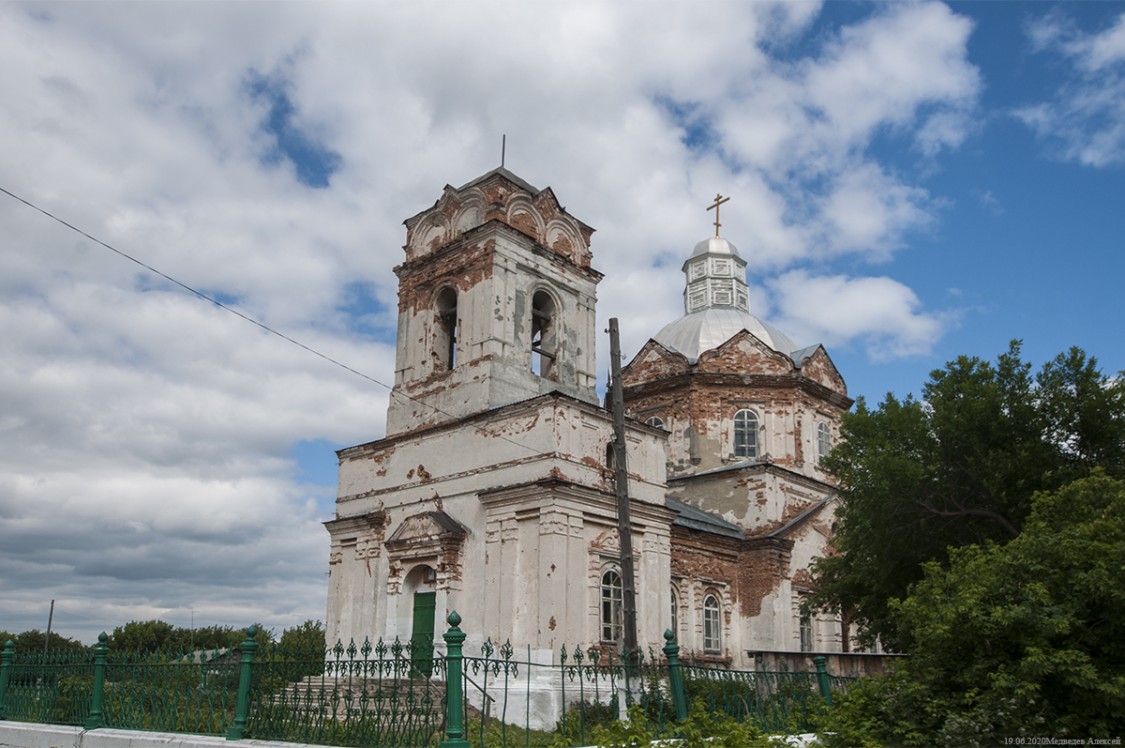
x=908 y=182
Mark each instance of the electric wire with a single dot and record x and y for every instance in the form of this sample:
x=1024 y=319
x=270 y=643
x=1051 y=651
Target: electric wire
x=248 y=318
x=198 y=293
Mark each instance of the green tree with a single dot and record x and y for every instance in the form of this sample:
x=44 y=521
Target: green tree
x=150 y=636
x=300 y=651
x=1025 y=639
x=32 y=641
x=1084 y=414
x=144 y=636
x=956 y=468
x=212 y=637
x=305 y=640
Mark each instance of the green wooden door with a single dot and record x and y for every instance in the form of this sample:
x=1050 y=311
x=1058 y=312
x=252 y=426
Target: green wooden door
x=422 y=634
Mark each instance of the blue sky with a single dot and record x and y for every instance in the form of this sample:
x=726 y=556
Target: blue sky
x=909 y=182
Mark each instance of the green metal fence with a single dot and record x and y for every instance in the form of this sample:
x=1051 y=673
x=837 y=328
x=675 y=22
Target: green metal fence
x=778 y=702
x=53 y=688
x=506 y=693
x=170 y=691
x=373 y=694
x=396 y=694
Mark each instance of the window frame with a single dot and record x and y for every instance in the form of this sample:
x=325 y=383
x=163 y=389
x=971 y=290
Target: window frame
x=746 y=424
x=823 y=440
x=712 y=623
x=675 y=614
x=805 y=633
x=611 y=606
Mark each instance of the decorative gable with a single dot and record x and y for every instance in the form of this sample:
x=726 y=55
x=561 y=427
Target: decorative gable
x=499 y=196
x=426 y=535
x=653 y=362
x=819 y=368
x=744 y=352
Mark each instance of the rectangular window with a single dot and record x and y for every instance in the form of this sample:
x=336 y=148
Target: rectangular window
x=806 y=632
x=823 y=440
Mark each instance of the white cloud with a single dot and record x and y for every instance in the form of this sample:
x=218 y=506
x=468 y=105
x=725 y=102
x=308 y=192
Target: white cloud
x=990 y=202
x=808 y=126
x=146 y=434
x=868 y=210
x=881 y=313
x=1085 y=120
x=884 y=71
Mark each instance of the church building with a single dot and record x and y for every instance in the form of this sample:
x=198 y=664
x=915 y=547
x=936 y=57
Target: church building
x=492 y=492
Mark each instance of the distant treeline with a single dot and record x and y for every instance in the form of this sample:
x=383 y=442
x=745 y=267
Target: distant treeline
x=150 y=636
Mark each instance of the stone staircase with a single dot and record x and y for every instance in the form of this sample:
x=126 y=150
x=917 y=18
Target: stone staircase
x=357 y=698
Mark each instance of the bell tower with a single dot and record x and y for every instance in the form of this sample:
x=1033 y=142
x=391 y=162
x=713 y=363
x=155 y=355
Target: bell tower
x=496 y=304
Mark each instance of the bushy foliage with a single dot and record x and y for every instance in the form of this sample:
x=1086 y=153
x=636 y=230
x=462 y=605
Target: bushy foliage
x=138 y=637
x=701 y=729
x=34 y=641
x=1021 y=640
x=306 y=639
x=578 y=724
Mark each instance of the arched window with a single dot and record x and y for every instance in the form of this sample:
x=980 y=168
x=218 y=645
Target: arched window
x=656 y=421
x=544 y=341
x=445 y=345
x=823 y=440
x=612 y=607
x=675 y=613
x=745 y=434
x=712 y=628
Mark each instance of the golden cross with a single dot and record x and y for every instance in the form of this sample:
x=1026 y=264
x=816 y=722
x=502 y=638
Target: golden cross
x=719 y=200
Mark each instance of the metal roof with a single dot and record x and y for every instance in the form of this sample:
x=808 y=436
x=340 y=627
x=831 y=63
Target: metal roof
x=715 y=245
x=507 y=175
x=695 y=518
x=705 y=330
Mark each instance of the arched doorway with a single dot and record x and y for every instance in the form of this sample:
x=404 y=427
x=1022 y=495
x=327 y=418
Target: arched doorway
x=421 y=581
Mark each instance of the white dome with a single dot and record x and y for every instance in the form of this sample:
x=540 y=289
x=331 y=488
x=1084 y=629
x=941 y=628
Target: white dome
x=715 y=245
x=705 y=330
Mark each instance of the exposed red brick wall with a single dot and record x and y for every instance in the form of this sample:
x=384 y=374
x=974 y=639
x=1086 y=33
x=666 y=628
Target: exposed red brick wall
x=751 y=568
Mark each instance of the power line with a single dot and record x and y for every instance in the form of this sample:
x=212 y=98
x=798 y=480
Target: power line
x=191 y=290
x=245 y=316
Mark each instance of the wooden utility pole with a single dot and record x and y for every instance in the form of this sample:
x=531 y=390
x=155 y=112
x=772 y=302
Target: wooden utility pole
x=621 y=485
x=47 y=638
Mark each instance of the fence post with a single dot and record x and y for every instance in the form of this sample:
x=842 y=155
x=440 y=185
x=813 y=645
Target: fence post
x=242 y=706
x=675 y=675
x=5 y=667
x=822 y=678
x=97 y=700
x=454 y=696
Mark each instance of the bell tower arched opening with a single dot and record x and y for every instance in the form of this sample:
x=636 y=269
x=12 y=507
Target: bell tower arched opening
x=445 y=337
x=544 y=337
x=494 y=308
